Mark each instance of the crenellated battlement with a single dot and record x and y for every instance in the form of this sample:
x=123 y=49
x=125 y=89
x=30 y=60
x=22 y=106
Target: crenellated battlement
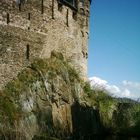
x=33 y=28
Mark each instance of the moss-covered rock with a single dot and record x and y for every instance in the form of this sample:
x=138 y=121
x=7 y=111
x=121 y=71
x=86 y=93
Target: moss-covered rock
x=38 y=101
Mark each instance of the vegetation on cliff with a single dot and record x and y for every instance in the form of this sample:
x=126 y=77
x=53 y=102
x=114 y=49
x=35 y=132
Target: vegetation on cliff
x=118 y=116
x=48 y=99
x=38 y=99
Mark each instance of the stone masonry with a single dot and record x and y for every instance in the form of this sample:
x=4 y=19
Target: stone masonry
x=31 y=29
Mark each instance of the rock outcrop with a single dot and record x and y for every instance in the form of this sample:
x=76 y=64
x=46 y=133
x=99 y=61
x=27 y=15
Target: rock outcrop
x=45 y=101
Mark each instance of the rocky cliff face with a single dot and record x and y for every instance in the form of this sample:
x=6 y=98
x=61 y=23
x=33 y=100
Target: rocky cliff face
x=49 y=101
x=46 y=100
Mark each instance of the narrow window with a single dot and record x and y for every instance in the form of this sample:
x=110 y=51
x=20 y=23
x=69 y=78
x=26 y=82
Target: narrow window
x=29 y=16
x=27 y=52
x=8 y=18
x=86 y=55
x=87 y=13
x=42 y=6
x=74 y=15
x=83 y=54
x=19 y=6
x=60 y=7
x=87 y=21
x=82 y=11
x=52 y=9
x=82 y=33
x=87 y=35
x=67 y=18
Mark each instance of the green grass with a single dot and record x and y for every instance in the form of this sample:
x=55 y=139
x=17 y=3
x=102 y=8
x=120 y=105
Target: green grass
x=121 y=117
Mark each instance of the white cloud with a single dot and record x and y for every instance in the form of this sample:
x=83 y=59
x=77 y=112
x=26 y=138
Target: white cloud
x=131 y=84
x=113 y=89
x=126 y=93
x=123 y=91
x=134 y=87
x=97 y=82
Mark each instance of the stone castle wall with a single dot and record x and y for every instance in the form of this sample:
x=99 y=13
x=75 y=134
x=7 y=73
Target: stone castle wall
x=34 y=28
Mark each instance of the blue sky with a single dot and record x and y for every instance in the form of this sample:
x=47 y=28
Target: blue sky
x=114 y=43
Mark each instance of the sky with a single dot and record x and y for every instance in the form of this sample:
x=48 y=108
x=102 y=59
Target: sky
x=114 y=44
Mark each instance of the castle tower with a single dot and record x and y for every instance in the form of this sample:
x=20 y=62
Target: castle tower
x=33 y=28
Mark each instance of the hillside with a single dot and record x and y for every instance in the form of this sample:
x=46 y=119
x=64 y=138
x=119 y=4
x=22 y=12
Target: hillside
x=119 y=116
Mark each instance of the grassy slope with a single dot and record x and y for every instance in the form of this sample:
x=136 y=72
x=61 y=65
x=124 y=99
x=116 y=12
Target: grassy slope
x=117 y=116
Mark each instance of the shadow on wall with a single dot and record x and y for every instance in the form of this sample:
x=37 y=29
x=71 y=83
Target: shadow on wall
x=85 y=121
x=87 y=125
